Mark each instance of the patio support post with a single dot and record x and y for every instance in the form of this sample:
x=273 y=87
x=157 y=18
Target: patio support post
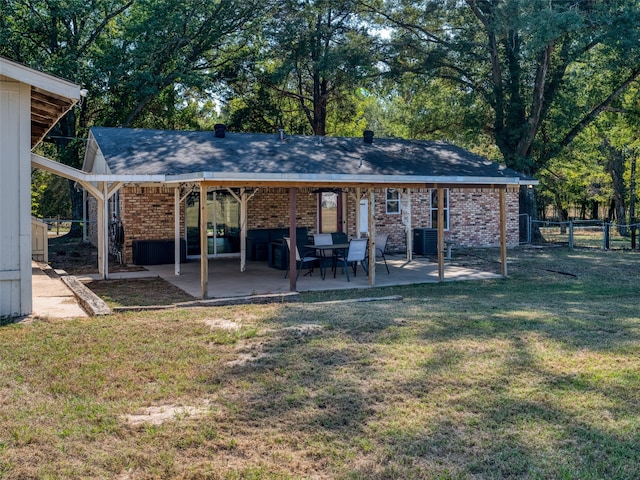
x=440 y=234
x=358 y=197
x=503 y=232
x=293 y=262
x=372 y=238
x=204 y=250
x=105 y=230
x=84 y=214
x=244 y=200
x=101 y=231
x=176 y=210
x=406 y=215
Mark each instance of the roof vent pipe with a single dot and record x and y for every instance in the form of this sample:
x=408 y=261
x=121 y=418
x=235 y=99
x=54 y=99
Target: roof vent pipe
x=281 y=131
x=220 y=129
x=368 y=136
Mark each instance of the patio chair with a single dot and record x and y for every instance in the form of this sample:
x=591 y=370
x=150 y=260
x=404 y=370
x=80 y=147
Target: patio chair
x=325 y=239
x=356 y=253
x=322 y=239
x=381 y=246
x=306 y=259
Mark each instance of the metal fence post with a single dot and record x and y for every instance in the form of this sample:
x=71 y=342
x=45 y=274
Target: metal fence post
x=605 y=236
x=570 y=234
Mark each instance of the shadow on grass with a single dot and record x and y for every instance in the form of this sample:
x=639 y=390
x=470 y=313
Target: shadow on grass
x=504 y=379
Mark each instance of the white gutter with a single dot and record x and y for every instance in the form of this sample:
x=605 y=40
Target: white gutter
x=337 y=178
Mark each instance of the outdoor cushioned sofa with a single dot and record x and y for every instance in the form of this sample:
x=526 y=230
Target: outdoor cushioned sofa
x=268 y=244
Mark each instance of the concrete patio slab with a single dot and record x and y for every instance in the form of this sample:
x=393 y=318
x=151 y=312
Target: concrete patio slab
x=226 y=280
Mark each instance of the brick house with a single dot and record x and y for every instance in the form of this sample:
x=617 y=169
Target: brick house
x=341 y=185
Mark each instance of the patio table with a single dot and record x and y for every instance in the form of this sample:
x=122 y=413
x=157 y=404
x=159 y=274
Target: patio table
x=324 y=249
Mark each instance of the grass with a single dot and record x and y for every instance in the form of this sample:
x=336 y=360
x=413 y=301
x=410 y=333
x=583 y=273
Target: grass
x=532 y=377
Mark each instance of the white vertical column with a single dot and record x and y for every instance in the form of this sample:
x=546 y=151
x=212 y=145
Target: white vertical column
x=372 y=238
x=176 y=236
x=244 y=200
x=204 y=250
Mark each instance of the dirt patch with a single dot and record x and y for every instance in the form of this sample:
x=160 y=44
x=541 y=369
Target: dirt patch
x=222 y=323
x=163 y=413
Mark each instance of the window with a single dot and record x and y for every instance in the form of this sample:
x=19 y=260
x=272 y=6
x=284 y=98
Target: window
x=434 y=208
x=393 y=201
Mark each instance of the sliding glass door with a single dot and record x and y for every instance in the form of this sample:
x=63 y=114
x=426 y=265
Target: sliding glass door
x=223 y=224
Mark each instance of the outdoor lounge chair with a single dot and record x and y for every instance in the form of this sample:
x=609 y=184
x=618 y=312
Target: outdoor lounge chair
x=308 y=260
x=356 y=253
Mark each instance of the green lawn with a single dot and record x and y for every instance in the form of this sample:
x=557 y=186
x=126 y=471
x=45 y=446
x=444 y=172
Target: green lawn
x=536 y=376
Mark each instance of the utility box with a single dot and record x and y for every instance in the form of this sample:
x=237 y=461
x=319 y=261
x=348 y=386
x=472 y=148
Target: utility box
x=425 y=241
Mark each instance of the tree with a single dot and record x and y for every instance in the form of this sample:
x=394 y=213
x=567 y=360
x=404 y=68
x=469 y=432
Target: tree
x=318 y=52
x=166 y=48
x=136 y=58
x=60 y=38
x=524 y=59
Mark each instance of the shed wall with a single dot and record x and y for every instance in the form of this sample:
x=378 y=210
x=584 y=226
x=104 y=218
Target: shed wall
x=15 y=199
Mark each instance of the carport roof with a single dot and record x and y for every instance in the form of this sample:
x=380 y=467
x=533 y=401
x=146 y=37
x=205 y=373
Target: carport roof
x=51 y=97
x=183 y=156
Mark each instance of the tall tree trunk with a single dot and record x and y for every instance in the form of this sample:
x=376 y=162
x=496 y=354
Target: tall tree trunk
x=529 y=206
x=615 y=167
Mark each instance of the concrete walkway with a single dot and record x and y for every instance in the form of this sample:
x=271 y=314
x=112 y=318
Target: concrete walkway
x=51 y=297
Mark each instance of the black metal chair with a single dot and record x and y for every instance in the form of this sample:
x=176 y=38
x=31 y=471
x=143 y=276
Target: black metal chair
x=309 y=260
x=381 y=246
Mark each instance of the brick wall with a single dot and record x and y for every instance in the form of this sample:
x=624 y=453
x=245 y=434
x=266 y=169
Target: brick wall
x=474 y=217
x=147 y=213
x=269 y=208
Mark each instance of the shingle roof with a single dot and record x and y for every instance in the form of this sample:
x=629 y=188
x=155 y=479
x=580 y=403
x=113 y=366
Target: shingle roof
x=183 y=153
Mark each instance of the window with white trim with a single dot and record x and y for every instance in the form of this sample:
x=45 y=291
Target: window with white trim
x=393 y=201
x=434 y=208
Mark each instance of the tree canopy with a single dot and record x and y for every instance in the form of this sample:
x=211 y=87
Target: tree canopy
x=547 y=87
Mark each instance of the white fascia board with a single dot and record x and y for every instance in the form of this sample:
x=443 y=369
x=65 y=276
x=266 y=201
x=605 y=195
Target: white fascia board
x=336 y=178
x=49 y=83
x=80 y=176
x=529 y=181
